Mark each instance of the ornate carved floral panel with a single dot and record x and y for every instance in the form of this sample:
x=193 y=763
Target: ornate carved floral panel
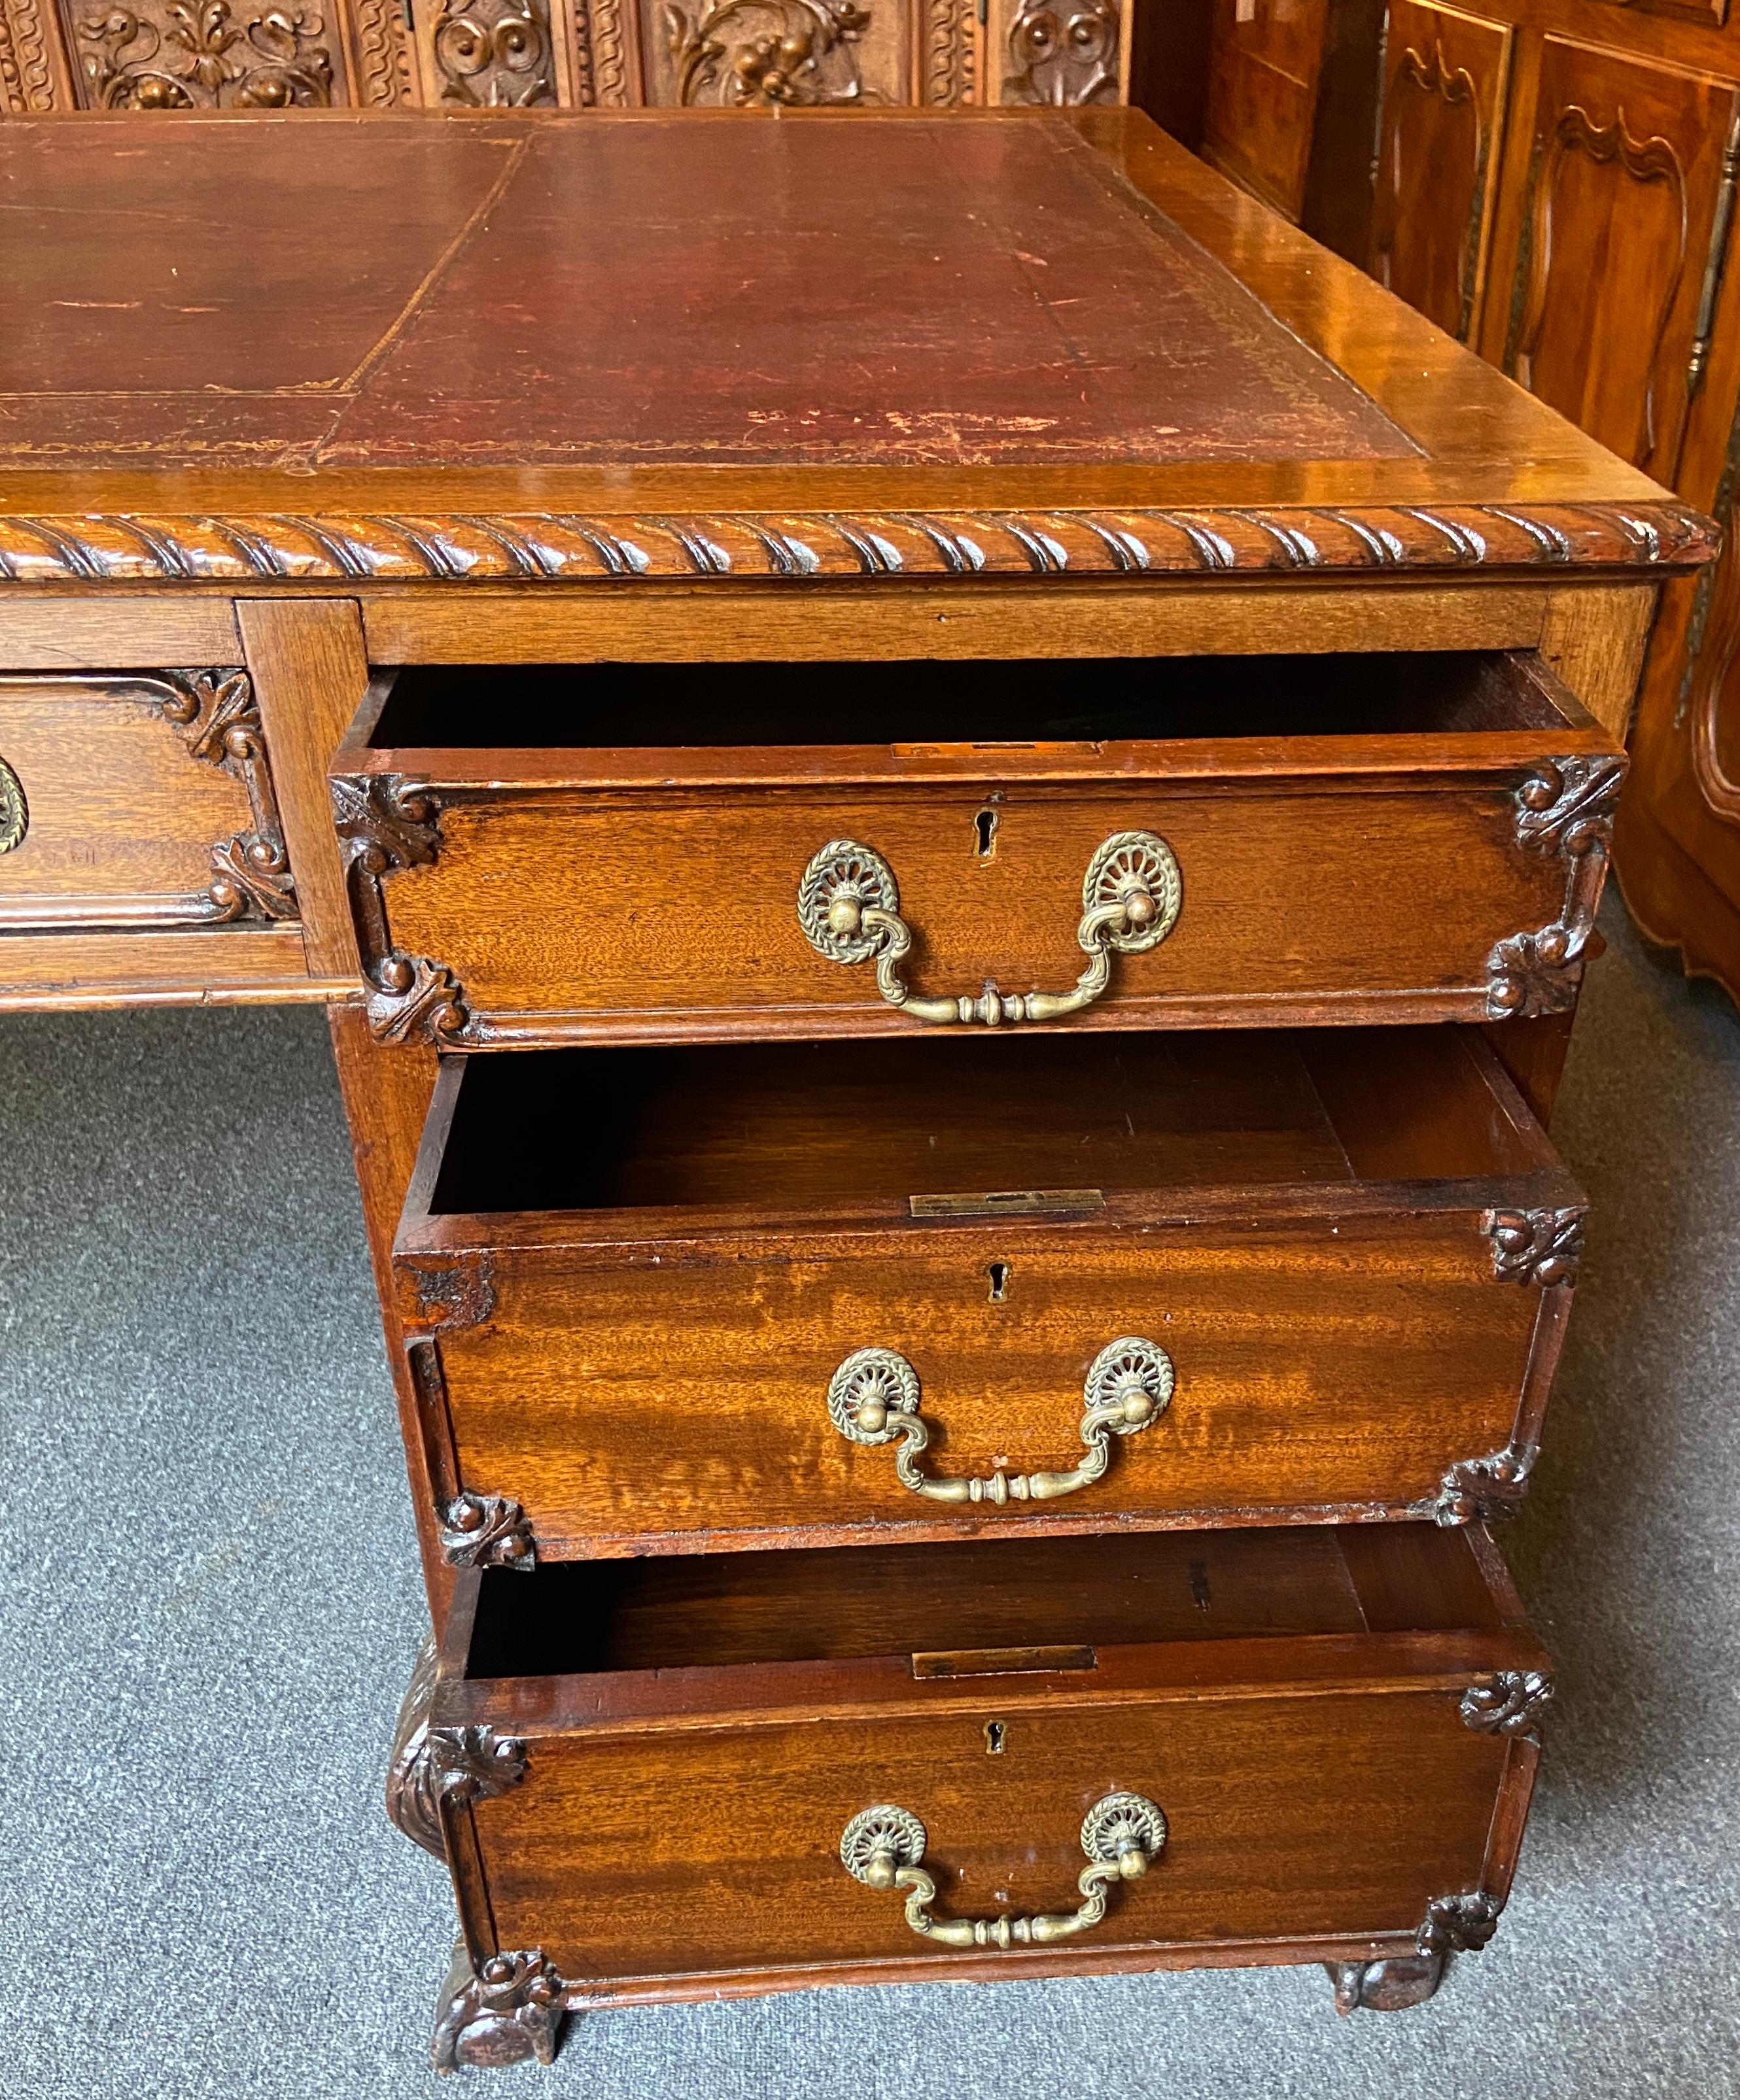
x=204 y=55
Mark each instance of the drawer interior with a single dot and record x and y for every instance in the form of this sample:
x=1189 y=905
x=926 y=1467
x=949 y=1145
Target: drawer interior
x=802 y=1126
x=973 y=1607
x=916 y=705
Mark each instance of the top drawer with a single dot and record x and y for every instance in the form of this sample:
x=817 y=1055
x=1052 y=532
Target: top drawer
x=643 y=852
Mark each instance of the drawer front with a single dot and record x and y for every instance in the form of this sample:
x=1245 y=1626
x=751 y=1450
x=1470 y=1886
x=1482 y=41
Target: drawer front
x=1315 y=1820
x=547 y=916
x=132 y=808
x=1279 y=1373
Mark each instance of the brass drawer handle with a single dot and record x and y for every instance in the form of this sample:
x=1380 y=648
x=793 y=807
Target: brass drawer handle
x=874 y=1397
x=849 y=906
x=1122 y=1834
x=15 y=811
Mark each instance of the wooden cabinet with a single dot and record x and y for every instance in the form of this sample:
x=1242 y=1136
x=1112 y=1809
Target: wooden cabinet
x=1555 y=185
x=1447 y=88
x=1614 y=254
x=159 y=54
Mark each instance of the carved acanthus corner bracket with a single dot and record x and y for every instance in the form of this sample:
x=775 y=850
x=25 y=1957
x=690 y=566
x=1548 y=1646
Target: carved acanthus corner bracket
x=1481 y=1489
x=507 y=2010
x=219 y=720
x=384 y=822
x=429 y=1766
x=487 y=1531
x=1510 y=1702
x=1534 y=1247
x=1566 y=808
x=1459 y=1924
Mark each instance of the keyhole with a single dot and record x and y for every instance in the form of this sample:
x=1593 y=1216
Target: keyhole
x=998 y=1272
x=995 y=1734
x=985 y=824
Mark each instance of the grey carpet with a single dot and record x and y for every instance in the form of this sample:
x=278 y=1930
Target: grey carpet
x=210 y=1603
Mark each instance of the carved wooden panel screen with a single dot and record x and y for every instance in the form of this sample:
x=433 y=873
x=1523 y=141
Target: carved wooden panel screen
x=243 y=54
x=1629 y=188
x=1447 y=86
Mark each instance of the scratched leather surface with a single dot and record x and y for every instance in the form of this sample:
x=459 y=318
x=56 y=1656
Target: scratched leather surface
x=412 y=292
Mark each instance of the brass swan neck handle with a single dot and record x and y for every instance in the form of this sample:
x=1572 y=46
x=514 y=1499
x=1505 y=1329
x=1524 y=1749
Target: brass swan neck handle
x=874 y=1395
x=848 y=907
x=1121 y=1835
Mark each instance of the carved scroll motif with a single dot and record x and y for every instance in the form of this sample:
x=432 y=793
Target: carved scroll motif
x=494 y=54
x=1652 y=160
x=1456 y=90
x=1566 y=808
x=1063 y=53
x=739 y=53
x=197 y=54
x=384 y=822
x=219 y=721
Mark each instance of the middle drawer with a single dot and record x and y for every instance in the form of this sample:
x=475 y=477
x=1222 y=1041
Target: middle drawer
x=669 y=1300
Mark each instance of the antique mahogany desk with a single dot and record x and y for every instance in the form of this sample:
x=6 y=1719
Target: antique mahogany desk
x=949 y=792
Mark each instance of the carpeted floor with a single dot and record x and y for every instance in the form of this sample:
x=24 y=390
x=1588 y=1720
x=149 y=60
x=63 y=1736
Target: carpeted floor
x=211 y=1602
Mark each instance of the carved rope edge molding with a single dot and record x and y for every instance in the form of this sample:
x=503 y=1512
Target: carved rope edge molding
x=542 y=549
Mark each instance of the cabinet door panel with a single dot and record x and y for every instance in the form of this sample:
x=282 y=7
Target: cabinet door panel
x=1446 y=84
x=1262 y=96
x=1622 y=211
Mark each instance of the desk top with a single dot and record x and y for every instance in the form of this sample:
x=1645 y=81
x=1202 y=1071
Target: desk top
x=561 y=348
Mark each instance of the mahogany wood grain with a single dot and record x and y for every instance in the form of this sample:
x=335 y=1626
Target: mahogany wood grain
x=668 y=1835
x=387 y=1093
x=310 y=673
x=579 y=891
x=642 y=1270
x=54 y=632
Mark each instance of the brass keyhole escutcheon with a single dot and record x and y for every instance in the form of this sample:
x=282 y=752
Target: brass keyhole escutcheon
x=985 y=831
x=997 y=1275
x=997 y=1736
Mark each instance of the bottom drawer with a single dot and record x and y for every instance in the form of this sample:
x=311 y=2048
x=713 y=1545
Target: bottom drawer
x=685 y=1777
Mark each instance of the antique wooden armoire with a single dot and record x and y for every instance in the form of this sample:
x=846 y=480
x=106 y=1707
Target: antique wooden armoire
x=1553 y=182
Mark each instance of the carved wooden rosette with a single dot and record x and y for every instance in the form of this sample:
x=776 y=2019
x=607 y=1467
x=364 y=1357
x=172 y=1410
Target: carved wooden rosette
x=1510 y=1702
x=1063 y=53
x=1567 y=809
x=219 y=721
x=1542 y=1247
x=201 y=55
x=507 y=2010
x=384 y=822
x=492 y=53
x=92 y=550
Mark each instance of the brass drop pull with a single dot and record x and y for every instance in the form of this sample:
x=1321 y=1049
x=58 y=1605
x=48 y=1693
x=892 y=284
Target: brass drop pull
x=874 y=1398
x=1122 y=1834
x=849 y=906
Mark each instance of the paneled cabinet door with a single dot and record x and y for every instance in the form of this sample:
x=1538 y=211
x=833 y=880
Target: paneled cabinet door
x=1447 y=83
x=1624 y=209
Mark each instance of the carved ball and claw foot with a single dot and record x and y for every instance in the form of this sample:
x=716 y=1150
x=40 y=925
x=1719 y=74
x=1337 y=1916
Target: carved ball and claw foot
x=509 y=2012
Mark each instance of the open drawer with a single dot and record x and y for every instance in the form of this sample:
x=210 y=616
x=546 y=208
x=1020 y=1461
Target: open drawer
x=642 y=851
x=669 y=1779
x=665 y=1299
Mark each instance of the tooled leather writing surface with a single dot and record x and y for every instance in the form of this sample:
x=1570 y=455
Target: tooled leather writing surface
x=896 y=291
